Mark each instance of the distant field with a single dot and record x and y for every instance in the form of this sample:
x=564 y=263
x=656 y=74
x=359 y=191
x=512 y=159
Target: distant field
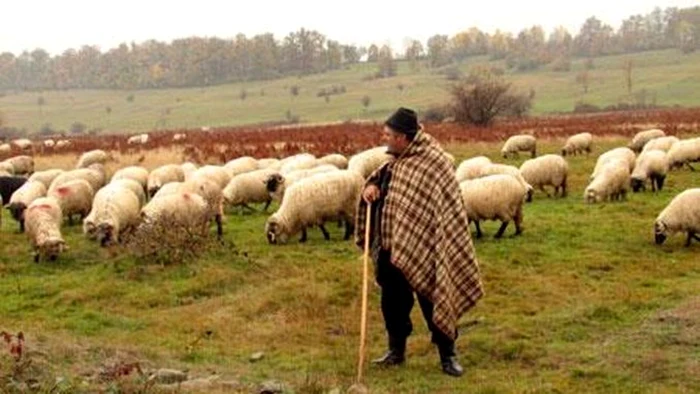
x=673 y=78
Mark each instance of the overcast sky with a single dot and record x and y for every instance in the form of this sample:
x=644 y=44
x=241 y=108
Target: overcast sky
x=56 y=25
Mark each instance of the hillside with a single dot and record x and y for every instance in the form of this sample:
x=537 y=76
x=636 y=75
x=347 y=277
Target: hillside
x=669 y=76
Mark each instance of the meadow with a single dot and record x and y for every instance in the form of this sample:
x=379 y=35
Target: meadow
x=582 y=301
x=668 y=78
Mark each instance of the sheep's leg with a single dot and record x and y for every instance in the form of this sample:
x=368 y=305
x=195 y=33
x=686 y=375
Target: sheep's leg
x=697 y=238
x=326 y=236
x=518 y=220
x=340 y=223
x=349 y=229
x=478 y=229
x=219 y=226
x=303 y=235
x=563 y=188
x=660 y=182
x=543 y=190
x=70 y=220
x=248 y=207
x=36 y=257
x=502 y=229
x=689 y=166
x=623 y=195
x=267 y=205
x=534 y=153
x=691 y=235
x=21 y=225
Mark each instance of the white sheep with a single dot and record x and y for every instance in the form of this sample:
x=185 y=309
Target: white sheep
x=216 y=173
x=22 y=198
x=334 y=159
x=139 y=139
x=519 y=143
x=132 y=185
x=162 y=175
x=277 y=183
x=115 y=211
x=682 y=214
x=207 y=189
x=241 y=165
x=577 y=144
x=547 y=170
x=23 y=144
x=95 y=178
x=313 y=201
x=49 y=143
x=176 y=212
x=92 y=157
x=74 y=198
x=494 y=197
x=7 y=168
x=60 y=144
x=23 y=165
x=652 y=165
x=248 y=188
x=684 y=152
x=135 y=173
x=269 y=163
x=5 y=149
x=621 y=153
x=46 y=177
x=611 y=183
x=471 y=168
x=505 y=169
x=641 y=138
x=660 y=143
x=179 y=137
x=301 y=161
x=366 y=162
x=188 y=168
x=43 y=220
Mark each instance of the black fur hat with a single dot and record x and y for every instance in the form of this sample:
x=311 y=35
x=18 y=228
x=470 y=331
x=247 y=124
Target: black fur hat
x=404 y=121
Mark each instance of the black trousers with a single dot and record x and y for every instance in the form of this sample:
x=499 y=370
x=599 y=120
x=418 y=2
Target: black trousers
x=397 y=301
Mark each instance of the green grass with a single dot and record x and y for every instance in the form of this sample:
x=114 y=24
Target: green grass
x=583 y=301
x=673 y=78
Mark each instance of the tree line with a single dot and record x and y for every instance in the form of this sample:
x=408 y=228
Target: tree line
x=210 y=61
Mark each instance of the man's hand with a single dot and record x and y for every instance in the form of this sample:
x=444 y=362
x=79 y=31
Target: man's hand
x=370 y=194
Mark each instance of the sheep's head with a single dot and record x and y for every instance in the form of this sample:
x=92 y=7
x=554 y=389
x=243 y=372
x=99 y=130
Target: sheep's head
x=660 y=232
x=273 y=182
x=16 y=210
x=274 y=230
x=52 y=247
x=591 y=195
x=152 y=190
x=637 y=184
x=105 y=233
x=564 y=151
x=89 y=228
x=528 y=194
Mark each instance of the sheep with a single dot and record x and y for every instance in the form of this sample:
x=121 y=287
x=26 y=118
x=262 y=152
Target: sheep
x=5 y=149
x=177 y=211
x=94 y=177
x=46 y=177
x=188 y=168
x=314 y=200
x=495 y=169
x=277 y=183
x=91 y=157
x=301 y=161
x=547 y=170
x=249 y=188
x=23 y=165
x=611 y=183
x=216 y=173
x=241 y=165
x=683 y=153
x=74 y=198
x=207 y=189
x=23 y=144
x=519 y=143
x=43 y=219
x=139 y=139
x=60 y=144
x=653 y=165
x=494 y=197
x=641 y=138
x=269 y=163
x=115 y=211
x=660 y=143
x=622 y=153
x=471 y=168
x=7 y=168
x=366 y=162
x=578 y=143
x=49 y=143
x=135 y=173
x=179 y=137
x=335 y=159
x=682 y=214
x=9 y=185
x=133 y=186
x=162 y=175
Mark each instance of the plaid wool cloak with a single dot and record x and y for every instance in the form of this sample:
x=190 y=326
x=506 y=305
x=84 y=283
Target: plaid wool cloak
x=425 y=227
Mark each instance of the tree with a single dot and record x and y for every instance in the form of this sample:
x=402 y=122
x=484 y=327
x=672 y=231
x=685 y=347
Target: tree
x=627 y=67
x=414 y=52
x=438 y=50
x=387 y=66
x=41 y=101
x=366 y=100
x=482 y=96
x=582 y=78
x=77 y=128
x=372 y=53
x=294 y=90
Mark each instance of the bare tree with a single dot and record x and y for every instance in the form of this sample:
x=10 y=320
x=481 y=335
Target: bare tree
x=583 y=79
x=627 y=67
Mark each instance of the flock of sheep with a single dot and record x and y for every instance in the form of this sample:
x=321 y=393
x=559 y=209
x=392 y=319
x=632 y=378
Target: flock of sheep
x=313 y=191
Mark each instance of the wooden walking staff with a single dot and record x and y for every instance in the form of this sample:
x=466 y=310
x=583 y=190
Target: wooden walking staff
x=365 y=275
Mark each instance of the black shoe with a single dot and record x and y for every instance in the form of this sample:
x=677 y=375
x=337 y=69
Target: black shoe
x=396 y=355
x=448 y=360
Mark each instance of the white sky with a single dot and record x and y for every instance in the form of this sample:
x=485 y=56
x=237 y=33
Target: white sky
x=56 y=25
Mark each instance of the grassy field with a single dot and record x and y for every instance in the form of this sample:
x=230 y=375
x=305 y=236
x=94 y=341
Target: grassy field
x=672 y=77
x=583 y=301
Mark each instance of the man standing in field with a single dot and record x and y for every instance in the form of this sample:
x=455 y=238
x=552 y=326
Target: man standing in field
x=420 y=240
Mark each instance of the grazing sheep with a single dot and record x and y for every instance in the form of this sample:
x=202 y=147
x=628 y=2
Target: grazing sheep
x=49 y=143
x=9 y=188
x=241 y=165
x=577 y=144
x=277 y=183
x=94 y=177
x=624 y=154
x=22 y=197
x=334 y=159
x=188 y=168
x=162 y=175
x=496 y=169
x=471 y=168
x=494 y=197
x=115 y=211
x=366 y=162
x=92 y=157
x=179 y=137
x=132 y=185
x=313 y=201
x=179 y=211
x=641 y=138
x=23 y=165
x=249 y=188
x=547 y=170
x=139 y=139
x=682 y=214
x=302 y=161
x=135 y=173
x=207 y=189
x=660 y=143
x=74 y=198
x=611 y=183
x=46 y=177
x=653 y=165
x=683 y=153
x=269 y=164
x=519 y=143
x=23 y=144
x=217 y=174
x=7 y=168
x=43 y=220
x=60 y=144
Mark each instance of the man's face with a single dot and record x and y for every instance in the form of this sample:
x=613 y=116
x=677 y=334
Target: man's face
x=395 y=142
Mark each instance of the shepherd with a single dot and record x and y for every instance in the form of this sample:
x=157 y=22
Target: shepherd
x=420 y=240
